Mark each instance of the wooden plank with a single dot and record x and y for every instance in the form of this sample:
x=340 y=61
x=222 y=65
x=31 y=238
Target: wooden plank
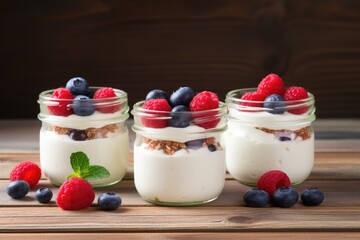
x=140 y=219
x=186 y=236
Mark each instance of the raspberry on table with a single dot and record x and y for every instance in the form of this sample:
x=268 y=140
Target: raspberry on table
x=27 y=171
x=104 y=93
x=271 y=84
x=75 y=194
x=272 y=180
x=153 y=121
x=203 y=101
x=294 y=93
x=256 y=99
x=65 y=98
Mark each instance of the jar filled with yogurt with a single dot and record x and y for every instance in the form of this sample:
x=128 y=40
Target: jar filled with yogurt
x=270 y=132
x=91 y=121
x=179 y=156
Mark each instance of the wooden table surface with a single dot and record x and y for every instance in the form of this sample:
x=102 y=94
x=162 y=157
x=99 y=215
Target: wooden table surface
x=336 y=173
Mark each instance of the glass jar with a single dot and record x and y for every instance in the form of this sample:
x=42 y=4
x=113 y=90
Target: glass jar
x=102 y=136
x=258 y=140
x=179 y=166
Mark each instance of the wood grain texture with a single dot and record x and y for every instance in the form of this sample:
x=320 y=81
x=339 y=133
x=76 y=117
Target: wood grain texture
x=141 y=45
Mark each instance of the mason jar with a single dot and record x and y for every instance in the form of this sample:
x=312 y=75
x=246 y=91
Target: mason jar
x=179 y=166
x=257 y=140
x=102 y=136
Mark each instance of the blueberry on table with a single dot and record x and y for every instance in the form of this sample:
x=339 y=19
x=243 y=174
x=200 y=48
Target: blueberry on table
x=43 y=195
x=275 y=103
x=18 y=189
x=78 y=135
x=78 y=86
x=109 y=201
x=312 y=196
x=182 y=96
x=83 y=105
x=157 y=94
x=256 y=198
x=180 y=117
x=195 y=144
x=285 y=197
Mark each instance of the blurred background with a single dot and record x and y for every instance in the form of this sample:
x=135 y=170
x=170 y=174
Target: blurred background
x=215 y=45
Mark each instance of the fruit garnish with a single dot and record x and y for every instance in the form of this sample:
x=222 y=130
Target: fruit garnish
x=78 y=86
x=109 y=201
x=82 y=168
x=272 y=180
x=276 y=103
x=255 y=98
x=180 y=117
x=43 y=195
x=312 y=196
x=27 y=171
x=75 y=194
x=65 y=97
x=271 y=84
x=256 y=198
x=296 y=93
x=155 y=121
x=101 y=96
x=83 y=105
x=202 y=101
x=18 y=189
x=182 y=96
x=156 y=94
x=285 y=197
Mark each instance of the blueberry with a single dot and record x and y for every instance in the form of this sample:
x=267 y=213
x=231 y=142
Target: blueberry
x=212 y=148
x=43 y=195
x=156 y=94
x=18 y=189
x=180 y=117
x=256 y=198
x=195 y=144
x=78 y=86
x=109 y=201
x=83 y=105
x=312 y=196
x=284 y=139
x=182 y=96
x=276 y=103
x=285 y=197
x=78 y=135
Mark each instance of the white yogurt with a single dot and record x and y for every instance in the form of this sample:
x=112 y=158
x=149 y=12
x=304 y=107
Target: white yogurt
x=110 y=152
x=187 y=177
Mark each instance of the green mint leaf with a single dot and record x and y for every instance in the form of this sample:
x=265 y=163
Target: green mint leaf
x=96 y=172
x=73 y=175
x=79 y=162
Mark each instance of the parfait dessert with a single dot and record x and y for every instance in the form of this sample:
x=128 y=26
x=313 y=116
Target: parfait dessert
x=79 y=118
x=269 y=128
x=179 y=158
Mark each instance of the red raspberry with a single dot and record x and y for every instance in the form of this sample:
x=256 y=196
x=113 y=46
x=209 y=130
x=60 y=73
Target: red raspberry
x=271 y=84
x=104 y=93
x=253 y=96
x=65 y=98
x=153 y=121
x=75 y=194
x=296 y=93
x=205 y=101
x=27 y=171
x=272 y=180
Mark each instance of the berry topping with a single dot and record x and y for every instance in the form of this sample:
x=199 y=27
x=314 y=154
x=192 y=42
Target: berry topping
x=272 y=180
x=312 y=196
x=180 y=117
x=285 y=197
x=78 y=86
x=27 y=171
x=195 y=144
x=83 y=105
x=205 y=101
x=75 y=194
x=156 y=121
x=296 y=93
x=65 y=98
x=43 y=195
x=103 y=94
x=157 y=93
x=78 y=135
x=182 y=96
x=255 y=98
x=18 y=189
x=271 y=84
x=275 y=103
x=256 y=198
x=109 y=201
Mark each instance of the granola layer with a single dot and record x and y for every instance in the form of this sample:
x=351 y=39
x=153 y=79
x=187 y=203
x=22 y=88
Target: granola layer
x=91 y=133
x=303 y=133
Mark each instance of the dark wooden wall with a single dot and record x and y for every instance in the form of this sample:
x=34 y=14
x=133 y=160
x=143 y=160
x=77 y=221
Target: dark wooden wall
x=216 y=45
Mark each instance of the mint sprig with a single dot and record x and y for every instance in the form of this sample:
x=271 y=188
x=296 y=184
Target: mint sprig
x=81 y=165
